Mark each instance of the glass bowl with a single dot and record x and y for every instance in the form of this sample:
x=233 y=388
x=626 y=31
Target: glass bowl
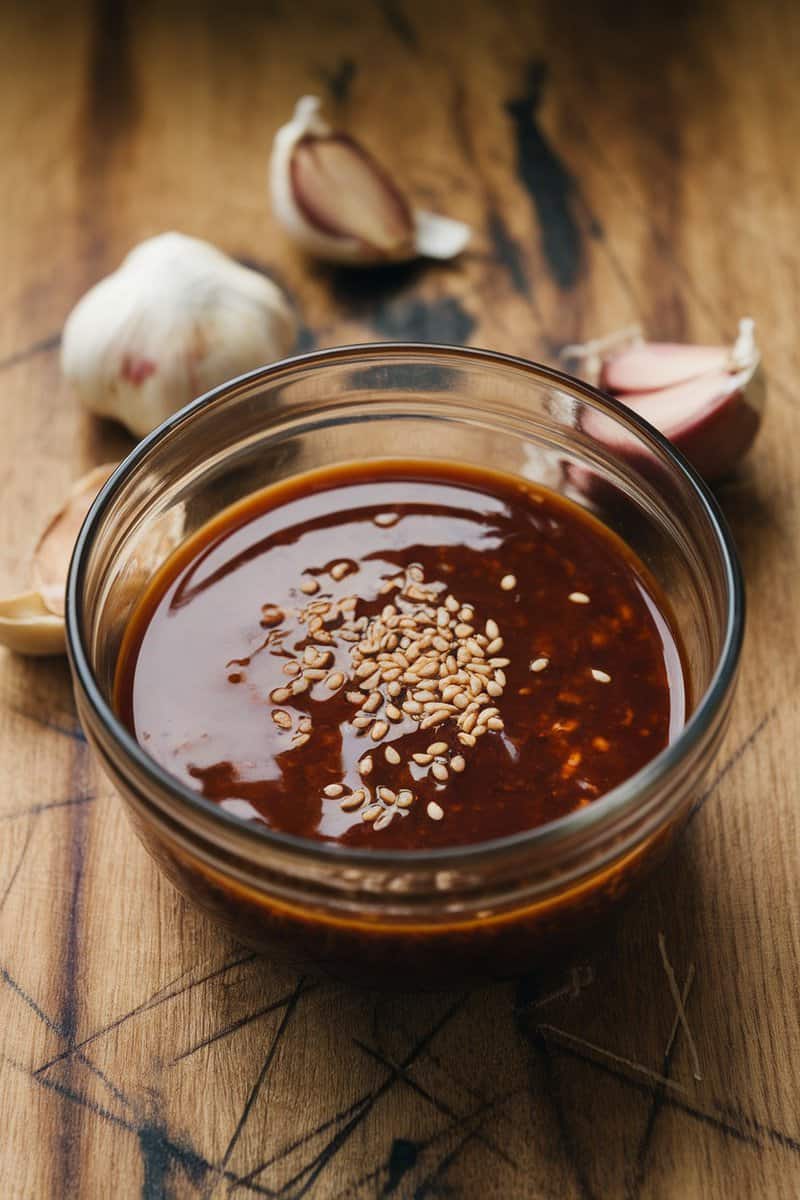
x=434 y=918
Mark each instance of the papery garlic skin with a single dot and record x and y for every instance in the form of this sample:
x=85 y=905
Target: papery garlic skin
x=177 y=318
x=373 y=225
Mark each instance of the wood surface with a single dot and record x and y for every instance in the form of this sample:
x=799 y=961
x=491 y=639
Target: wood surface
x=617 y=165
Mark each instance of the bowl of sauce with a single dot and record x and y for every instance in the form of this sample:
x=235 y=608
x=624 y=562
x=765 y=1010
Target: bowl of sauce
x=388 y=689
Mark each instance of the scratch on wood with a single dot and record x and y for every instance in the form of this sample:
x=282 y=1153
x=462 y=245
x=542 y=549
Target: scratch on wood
x=657 y=1101
x=69 y=731
x=17 y=866
x=329 y=1151
x=437 y=1103
x=35 y=810
x=42 y=346
x=289 y=998
x=731 y=762
x=256 y=1088
x=679 y=1005
x=152 y=1002
x=562 y=1037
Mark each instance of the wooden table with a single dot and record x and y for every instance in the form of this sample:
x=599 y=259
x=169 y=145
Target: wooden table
x=615 y=167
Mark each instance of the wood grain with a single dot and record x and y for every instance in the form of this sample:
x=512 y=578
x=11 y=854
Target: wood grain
x=616 y=165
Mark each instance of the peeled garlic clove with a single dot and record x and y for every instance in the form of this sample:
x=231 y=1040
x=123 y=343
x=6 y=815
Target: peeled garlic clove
x=176 y=319
x=33 y=622
x=339 y=204
x=707 y=400
x=28 y=626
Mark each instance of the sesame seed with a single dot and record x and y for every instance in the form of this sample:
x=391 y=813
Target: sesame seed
x=386 y=818
x=412 y=707
x=280 y=695
x=372 y=702
x=391 y=755
x=492 y=630
x=339 y=570
x=405 y=798
x=354 y=800
x=579 y=598
x=335 y=681
x=365 y=766
x=271 y=615
x=393 y=713
x=333 y=790
x=494 y=646
x=281 y=718
x=379 y=730
x=466 y=739
x=394 y=689
x=495 y=723
x=437 y=748
x=372 y=812
x=434 y=810
x=386 y=794
x=309 y=586
x=300 y=740
x=451 y=604
x=291 y=668
x=361 y=722
x=458 y=763
x=439 y=770
x=386 y=519
x=354 y=697
x=508 y=583
x=601 y=676
x=499 y=662
x=314 y=673
x=539 y=664
x=423 y=759
x=463 y=631
x=494 y=689
x=299 y=685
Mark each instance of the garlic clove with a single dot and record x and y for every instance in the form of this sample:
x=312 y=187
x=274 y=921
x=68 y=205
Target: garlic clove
x=33 y=622
x=176 y=319
x=707 y=400
x=341 y=205
x=54 y=548
x=649 y=366
x=29 y=627
x=345 y=193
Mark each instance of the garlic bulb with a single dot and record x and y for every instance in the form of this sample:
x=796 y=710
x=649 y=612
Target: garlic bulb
x=708 y=400
x=33 y=622
x=176 y=318
x=338 y=203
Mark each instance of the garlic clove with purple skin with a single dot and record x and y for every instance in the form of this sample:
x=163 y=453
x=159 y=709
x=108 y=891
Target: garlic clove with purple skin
x=340 y=204
x=707 y=400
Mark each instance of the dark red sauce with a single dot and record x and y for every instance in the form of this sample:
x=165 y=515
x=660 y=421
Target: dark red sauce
x=526 y=638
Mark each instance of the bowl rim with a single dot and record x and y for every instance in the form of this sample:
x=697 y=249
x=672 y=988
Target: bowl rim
x=620 y=801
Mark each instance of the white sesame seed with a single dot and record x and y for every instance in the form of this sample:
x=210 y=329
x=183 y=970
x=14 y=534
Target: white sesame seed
x=280 y=695
x=579 y=598
x=281 y=718
x=371 y=813
x=387 y=795
x=492 y=630
x=335 y=681
x=309 y=586
x=495 y=723
x=405 y=798
x=600 y=676
x=391 y=755
x=434 y=810
x=300 y=740
x=291 y=668
x=354 y=800
x=365 y=766
x=333 y=790
x=385 y=519
x=379 y=730
x=539 y=664
x=386 y=818
x=439 y=770
x=372 y=702
x=466 y=739
x=494 y=689
x=458 y=763
x=339 y=570
x=494 y=646
x=354 y=697
x=508 y=583
x=422 y=759
x=437 y=748
x=393 y=713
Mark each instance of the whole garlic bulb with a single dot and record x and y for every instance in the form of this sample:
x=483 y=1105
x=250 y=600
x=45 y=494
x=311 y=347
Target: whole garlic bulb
x=176 y=318
x=338 y=203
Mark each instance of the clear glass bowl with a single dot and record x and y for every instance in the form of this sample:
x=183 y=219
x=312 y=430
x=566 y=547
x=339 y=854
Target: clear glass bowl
x=423 y=918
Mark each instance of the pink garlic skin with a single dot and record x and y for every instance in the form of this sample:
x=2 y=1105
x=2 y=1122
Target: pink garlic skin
x=707 y=400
